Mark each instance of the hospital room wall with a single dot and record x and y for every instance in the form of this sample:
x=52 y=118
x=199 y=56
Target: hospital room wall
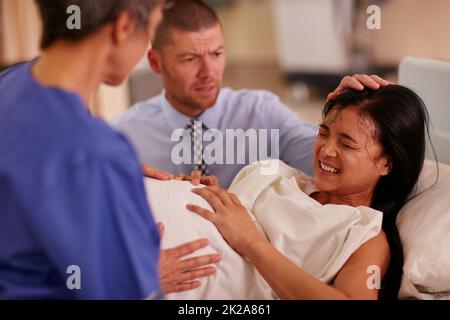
x=249 y=32
x=410 y=27
x=20 y=33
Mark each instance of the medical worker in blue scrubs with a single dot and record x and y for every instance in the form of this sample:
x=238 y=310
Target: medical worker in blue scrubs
x=73 y=208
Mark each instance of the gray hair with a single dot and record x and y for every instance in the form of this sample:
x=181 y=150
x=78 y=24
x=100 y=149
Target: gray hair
x=95 y=14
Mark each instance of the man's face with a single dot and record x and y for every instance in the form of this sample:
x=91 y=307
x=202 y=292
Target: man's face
x=191 y=65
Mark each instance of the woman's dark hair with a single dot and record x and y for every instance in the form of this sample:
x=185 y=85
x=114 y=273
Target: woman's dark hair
x=94 y=14
x=401 y=127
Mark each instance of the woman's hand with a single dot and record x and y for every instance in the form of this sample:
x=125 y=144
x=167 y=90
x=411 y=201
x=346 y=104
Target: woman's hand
x=178 y=275
x=230 y=218
x=358 y=82
x=196 y=178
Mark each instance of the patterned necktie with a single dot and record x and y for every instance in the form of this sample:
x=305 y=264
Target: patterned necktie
x=195 y=129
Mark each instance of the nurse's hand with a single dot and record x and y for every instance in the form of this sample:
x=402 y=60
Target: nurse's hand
x=177 y=274
x=154 y=173
x=359 y=82
x=196 y=178
x=230 y=218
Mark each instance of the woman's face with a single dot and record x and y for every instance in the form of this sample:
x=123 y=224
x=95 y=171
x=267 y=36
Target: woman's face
x=347 y=158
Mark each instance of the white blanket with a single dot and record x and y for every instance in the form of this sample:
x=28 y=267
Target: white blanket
x=318 y=238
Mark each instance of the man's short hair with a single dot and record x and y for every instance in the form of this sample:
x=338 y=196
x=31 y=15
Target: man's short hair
x=184 y=15
x=94 y=14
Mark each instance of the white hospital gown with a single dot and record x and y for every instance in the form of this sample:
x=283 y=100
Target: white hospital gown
x=318 y=238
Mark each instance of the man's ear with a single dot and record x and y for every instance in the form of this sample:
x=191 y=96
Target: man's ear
x=122 y=27
x=154 y=60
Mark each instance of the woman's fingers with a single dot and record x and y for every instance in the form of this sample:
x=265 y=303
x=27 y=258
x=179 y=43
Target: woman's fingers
x=221 y=194
x=235 y=199
x=208 y=215
x=195 y=274
x=214 y=193
x=176 y=274
x=185 y=286
x=212 y=198
x=189 y=247
x=233 y=222
x=211 y=181
x=184 y=281
x=194 y=263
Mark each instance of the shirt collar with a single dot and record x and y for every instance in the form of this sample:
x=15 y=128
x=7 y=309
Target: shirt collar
x=210 y=118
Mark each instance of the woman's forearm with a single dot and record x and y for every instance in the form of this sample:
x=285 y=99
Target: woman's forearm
x=287 y=279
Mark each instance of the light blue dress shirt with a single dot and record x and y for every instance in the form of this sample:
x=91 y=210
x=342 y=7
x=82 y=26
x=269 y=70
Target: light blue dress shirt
x=149 y=125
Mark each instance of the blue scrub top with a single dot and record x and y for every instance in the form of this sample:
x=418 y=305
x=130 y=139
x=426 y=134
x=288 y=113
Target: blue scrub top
x=73 y=208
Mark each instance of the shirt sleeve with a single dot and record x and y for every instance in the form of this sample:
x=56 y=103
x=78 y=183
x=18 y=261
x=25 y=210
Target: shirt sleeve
x=96 y=217
x=297 y=137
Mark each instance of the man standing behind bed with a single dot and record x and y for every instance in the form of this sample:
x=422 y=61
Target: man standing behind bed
x=189 y=55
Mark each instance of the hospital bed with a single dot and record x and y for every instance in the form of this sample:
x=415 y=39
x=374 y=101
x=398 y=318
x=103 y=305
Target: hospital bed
x=423 y=226
x=423 y=222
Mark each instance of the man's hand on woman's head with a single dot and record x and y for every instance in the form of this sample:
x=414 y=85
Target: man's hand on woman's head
x=359 y=82
x=177 y=274
x=230 y=217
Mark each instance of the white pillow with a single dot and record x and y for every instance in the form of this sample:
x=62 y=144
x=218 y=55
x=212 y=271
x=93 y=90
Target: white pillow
x=424 y=227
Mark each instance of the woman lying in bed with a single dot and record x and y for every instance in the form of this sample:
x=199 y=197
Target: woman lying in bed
x=295 y=237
